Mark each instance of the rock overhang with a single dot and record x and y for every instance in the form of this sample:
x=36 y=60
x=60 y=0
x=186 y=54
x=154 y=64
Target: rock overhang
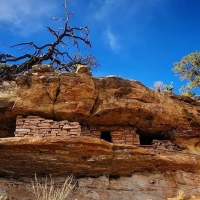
x=109 y=101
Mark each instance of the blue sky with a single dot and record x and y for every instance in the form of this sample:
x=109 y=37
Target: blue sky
x=134 y=39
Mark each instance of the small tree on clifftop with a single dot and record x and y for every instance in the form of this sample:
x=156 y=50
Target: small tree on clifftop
x=50 y=53
x=159 y=86
x=189 y=69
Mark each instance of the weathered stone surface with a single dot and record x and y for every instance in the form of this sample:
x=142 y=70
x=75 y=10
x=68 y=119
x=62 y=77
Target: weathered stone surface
x=76 y=97
x=140 y=186
x=106 y=101
x=81 y=69
x=86 y=156
x=188 y=138
x=124 y=171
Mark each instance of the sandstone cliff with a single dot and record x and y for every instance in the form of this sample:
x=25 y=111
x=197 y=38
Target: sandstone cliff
x=109 y=101
x=97 y=101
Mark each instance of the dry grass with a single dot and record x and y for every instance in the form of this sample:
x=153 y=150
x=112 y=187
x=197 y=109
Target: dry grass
x=180 y=196
x=3 y=198
x=194 y=198
x=48 y=190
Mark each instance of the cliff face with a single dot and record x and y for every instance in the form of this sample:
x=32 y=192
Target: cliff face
x=140 y=186
x=87 y=156
x=97 y=101
x=110 y=101
x=102 y=170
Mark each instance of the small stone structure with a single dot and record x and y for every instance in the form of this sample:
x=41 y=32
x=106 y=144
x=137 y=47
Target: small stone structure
x=165 y=145
x=34 y=126
x=114 y=134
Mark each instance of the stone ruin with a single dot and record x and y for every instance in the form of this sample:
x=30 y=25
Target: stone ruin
x=165 y=145
x=35 y=126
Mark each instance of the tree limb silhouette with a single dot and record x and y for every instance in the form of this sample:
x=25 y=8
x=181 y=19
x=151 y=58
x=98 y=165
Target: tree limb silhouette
x=67 y=37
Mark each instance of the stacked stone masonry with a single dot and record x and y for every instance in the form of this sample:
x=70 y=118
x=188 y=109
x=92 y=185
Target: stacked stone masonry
x=165 y=145
x=34 y=126
x=119 y=134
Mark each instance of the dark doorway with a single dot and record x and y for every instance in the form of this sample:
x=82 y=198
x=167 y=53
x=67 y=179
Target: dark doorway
x=106 y=135
x=147 y=138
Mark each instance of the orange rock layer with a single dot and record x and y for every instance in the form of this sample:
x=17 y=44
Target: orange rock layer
x=110 y=101
x=87 y=156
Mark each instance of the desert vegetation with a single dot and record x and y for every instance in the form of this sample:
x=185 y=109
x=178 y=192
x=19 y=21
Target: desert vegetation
x=189 y=69
x=161 y=87
x=47 y=189
x=70 y=38
x=3 y=198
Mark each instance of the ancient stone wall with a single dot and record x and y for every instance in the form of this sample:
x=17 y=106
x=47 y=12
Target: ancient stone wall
x=34 y=126
x=119 y=134
x=165 y=145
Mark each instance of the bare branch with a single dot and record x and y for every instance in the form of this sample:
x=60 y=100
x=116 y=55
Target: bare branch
x=67 y=37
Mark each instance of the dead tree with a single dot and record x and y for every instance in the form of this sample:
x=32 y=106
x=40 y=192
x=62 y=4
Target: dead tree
x=68 y=37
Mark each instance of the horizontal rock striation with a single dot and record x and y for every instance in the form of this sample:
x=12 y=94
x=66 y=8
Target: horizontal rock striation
x=155 y=136
x=143 y=185
x=85 y=156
